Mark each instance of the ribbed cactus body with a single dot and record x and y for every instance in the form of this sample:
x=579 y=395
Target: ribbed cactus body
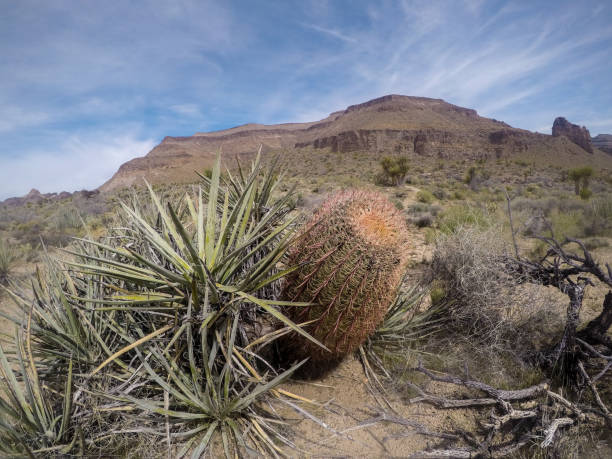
x=351 y=260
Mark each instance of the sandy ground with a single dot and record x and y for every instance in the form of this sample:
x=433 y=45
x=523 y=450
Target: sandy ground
x=354 y=422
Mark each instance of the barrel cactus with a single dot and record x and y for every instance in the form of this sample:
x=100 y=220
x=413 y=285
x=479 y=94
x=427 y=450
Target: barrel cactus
x=351 y=260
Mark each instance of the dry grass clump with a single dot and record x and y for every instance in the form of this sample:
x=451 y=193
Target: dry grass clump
x=485 y=302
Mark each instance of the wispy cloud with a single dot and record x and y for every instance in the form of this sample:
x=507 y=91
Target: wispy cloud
x=331 y=32
x=69 y=166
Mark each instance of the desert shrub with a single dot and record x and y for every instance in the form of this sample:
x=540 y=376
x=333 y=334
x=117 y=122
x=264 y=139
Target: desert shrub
x=542 y=207
x=430 y=235
x=423 y=220
x=422 y=215
x=420 y=207
x=461 y=216
x=66 y=218
x=593 y=243
x=475 y=176
x=598 y=217
x=437 y=293
x=485 y=301
x=425 y=196
x=440 y=194
x=566 y=224
x=585 y=193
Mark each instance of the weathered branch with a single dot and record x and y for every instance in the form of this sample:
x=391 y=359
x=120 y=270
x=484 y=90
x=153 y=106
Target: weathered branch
x=552 y=430
x=506 y=395
x=528 y=420
x=604 y=409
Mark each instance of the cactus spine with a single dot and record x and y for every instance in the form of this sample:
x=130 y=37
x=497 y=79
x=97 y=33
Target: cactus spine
x=351 y=262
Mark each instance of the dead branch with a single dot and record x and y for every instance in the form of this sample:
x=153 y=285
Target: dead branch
x=605 y=412
x=571 y=272
x=504 y=395
x=552 y=430
x=522 y=415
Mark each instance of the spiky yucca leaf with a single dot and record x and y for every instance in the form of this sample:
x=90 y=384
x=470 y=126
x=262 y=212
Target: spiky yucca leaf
x=8 y=255
x=396 y=337
x=35 y=420
x=264 y=201
x=179 y=258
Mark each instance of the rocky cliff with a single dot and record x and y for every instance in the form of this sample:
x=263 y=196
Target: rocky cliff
x=603 y=142
x=401 y=124
x=577 y=134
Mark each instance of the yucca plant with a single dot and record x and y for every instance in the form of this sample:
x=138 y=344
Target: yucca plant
x=8 y=255
x=35 y=419
x=62 y=329
x=351 y=258
x=264 y=200
x=172 y=306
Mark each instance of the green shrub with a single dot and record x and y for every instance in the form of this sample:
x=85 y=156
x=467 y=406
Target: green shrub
x=585 y=193
x=598 y=217
x=462 y=216
x=567 y=224
x=207 y=172
x=425 y=196
x=440 y=194
x=593 y=243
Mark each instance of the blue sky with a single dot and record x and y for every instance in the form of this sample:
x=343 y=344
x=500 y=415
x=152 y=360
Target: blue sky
x=88 y=85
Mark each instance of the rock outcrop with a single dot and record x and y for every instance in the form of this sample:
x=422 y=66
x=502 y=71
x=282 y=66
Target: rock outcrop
x=603 y=142
x=577 y=134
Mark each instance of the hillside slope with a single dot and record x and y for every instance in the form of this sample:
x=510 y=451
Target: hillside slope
x=389 y=124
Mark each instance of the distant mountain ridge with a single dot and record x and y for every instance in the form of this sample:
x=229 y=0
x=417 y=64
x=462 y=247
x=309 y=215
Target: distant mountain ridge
x=388 y=124
x=36 y=197
x=603 y=142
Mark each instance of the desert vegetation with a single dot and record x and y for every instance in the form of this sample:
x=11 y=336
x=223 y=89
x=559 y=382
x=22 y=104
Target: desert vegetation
x=394 y=170
x=183 y=318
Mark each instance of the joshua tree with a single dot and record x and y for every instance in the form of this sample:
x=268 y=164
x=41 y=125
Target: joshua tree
x=581 y=176
x=395 y=169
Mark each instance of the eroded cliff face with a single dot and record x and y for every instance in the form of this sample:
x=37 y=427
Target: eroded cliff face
x=393 y=123
x=577 y=134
